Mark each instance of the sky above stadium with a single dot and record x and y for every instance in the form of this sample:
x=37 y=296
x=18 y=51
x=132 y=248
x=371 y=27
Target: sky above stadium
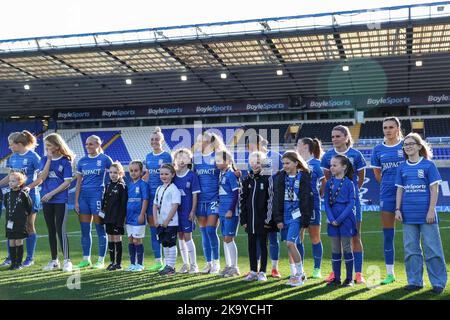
x=30 y=18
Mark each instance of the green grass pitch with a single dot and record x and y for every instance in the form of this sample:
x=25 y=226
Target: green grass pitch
x=32 y=283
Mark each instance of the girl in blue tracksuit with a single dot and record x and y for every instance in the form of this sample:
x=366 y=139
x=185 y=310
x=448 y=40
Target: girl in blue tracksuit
x=341 y=219
x=417 y=184
x=342 y=145
x=311 y=151
x=228 y=211
x=386 y=157
x=91 y=174
x=153 y=162
x=292 y=206
x=27 y=161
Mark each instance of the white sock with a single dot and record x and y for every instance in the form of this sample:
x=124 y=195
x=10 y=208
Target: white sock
x=390 y=269
x=274 y=264
x=227 y=254
x=183 y=251
x=87 y=258
x=191 y=251
x=166 y=253
x=101 y=259
x=232 y=251
x=171 y=257
x=216 y=263
x=299 y=267
x=293 y=269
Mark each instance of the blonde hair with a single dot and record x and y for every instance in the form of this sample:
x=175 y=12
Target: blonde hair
x=294 y=156
x=425 y=151
x=215 y=140
x=57 y=140
x=119 y=167
x=261 y=156
x=20 y=176
x=157 y=131
x=25 y=138
x=186 y=151
x=97 y=140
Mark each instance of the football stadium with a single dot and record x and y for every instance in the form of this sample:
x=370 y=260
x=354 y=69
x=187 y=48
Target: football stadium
x=355 y=80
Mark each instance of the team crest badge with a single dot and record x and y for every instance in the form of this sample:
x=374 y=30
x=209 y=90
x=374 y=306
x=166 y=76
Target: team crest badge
x=420 y=173
x=25 y=162
x=160 y=161
x=188 y=185
x=60 y=168
x=99 y=163
x=400 y=153
x=137 y=190
x=211 y=161
x=297 y=184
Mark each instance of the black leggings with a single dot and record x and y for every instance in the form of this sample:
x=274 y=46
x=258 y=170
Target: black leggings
x=56 y=217
x=252 y=240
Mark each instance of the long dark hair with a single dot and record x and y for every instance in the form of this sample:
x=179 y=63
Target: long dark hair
x=345 y=161
x=314 y=147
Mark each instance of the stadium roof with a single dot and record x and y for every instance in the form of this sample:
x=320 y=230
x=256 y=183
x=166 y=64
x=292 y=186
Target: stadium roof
x=379 y=46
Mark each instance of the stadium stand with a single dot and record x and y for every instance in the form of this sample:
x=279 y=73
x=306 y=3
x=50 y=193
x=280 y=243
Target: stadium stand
x=320 y=130
x=374 y=129
x=437 y=127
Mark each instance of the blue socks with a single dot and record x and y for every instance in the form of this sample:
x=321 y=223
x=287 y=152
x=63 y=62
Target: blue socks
x=156 y=246
x=101 y=233
x=86 y=238
x=389 y=250
x=349 y=265
x=132 y=252
x=301 y=249
x=31 y=246
x=214 y=241
x=358 y=256
x=206 y=244
x=336 y=263
x=140 y=253
x=317 y=250
x=274 y=246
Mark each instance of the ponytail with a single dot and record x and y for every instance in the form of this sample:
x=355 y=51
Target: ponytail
x=25 y=138
x=314 y=147
x=345 y=161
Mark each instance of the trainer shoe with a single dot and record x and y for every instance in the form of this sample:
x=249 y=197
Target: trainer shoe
x=19 y=267
x=138 y=268
x=251 y=276
x=359 y=279
x=28 y=263
x=166 y=271
x=295 y=281
x=333 y=283
x=347 y=283
x=232 y=272
x=130 y=268
x=412 y=287
x=390 y=278
x=317 y=274
x=52 y=265
x=67 y=267
x=437 y=290
x=330 y=278
x=224 y=271
x=184 y=268
x=84 y=264
x=215 y=269
x=6 y=263
x=276 y=273
x=262 y=276
x=116 y=267
x=171 y=271
x=158 y=266
x=193 y=269
x=98 y=265
x=110 y=266
x=207 y=268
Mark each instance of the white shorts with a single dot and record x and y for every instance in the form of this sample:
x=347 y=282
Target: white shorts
x=137 y=232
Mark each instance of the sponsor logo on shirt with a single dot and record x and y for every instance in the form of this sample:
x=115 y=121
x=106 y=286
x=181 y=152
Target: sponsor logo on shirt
x=414 y=188
x=153 y=171
x=91 y=172
x=206 y=171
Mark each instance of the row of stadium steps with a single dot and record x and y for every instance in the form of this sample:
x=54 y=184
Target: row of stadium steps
x=374 y=129
x=355 y=131
x=437 y=127
x=72 y=138
x=320 y=130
